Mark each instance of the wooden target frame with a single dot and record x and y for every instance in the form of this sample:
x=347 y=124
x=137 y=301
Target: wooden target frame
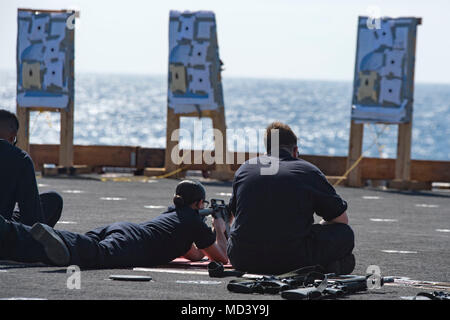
x=67 y=113
x=404 y=139
x=194 y=90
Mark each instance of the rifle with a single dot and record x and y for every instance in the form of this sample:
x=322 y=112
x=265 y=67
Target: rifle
x=305 y=284
x=276 y=284
x=334 y=287
x=218 y=209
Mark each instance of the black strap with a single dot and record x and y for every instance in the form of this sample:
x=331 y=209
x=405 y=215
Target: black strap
x=261 y=286
x=309 y=293
x=436 y=295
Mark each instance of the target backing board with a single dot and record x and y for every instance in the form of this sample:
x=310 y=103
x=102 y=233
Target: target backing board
x=384 y=70
x=194 y=63
x=45 y=54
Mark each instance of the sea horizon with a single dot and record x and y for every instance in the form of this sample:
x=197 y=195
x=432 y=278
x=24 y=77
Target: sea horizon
x=130 y=109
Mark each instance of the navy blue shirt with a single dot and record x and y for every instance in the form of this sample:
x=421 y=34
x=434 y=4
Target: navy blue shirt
x=18 y=185
x=274 y=213
x=172 y=234
x=152 y=243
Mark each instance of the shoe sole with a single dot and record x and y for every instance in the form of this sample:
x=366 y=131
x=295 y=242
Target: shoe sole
x=54 y=247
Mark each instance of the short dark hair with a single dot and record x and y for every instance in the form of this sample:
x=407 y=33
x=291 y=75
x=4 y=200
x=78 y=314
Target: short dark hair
x=287 y=137
x=8 y=122
x=188 y=192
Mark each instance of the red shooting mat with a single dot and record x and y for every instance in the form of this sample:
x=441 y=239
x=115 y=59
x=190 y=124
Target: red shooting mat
x=182 y=263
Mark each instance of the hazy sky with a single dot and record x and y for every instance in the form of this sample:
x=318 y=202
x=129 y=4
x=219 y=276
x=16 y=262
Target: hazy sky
x=257 y=38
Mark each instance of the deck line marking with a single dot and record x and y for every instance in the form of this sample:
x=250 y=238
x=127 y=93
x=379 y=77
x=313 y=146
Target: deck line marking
x=73 y=191
x=399 y=251
x=424 y=205
x=22 y=298
x=155 y=207
x=198 y=282
x=205 y=273
x=226 y=194
x=407 y=282
x=112 y=198
x=178 y=271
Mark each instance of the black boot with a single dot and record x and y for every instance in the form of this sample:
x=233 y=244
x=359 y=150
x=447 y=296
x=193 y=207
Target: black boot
x=54 y=246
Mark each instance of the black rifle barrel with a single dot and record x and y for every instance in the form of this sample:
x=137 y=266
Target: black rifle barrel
x=206 y=212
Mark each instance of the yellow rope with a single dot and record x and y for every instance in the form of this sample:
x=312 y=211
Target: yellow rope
x=377 y=135
x=49 y=121
x=185 y=167
x=349 y=170
x=34 y=123
x=126 y=179
x=171 y=173
x=353 y=166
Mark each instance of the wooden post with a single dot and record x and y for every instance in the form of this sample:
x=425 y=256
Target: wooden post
x=222 y=169
x=23 y=135
x=66 y=137
x=66 y=113
x=354 y=153
x=403 y=162
x=187 y=78
x=173 y=123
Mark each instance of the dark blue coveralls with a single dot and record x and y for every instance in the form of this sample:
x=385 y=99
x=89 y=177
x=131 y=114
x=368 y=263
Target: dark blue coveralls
x=18 y=185
x=122 y=244
x=274 y=231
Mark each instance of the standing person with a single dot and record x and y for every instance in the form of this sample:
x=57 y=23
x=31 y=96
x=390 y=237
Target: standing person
x=180 y=231
x=18 y=181
x=273 y=230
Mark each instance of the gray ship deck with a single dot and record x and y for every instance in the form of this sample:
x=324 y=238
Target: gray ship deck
x=406 y=234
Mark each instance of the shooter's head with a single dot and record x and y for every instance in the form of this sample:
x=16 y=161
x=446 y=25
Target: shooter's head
x=9 y=125
x=189 y=193
x=280 y=136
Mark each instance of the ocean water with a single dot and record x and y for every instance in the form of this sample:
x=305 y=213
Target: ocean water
x=131 y=110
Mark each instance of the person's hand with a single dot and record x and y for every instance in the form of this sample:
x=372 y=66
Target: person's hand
x=219 y=225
